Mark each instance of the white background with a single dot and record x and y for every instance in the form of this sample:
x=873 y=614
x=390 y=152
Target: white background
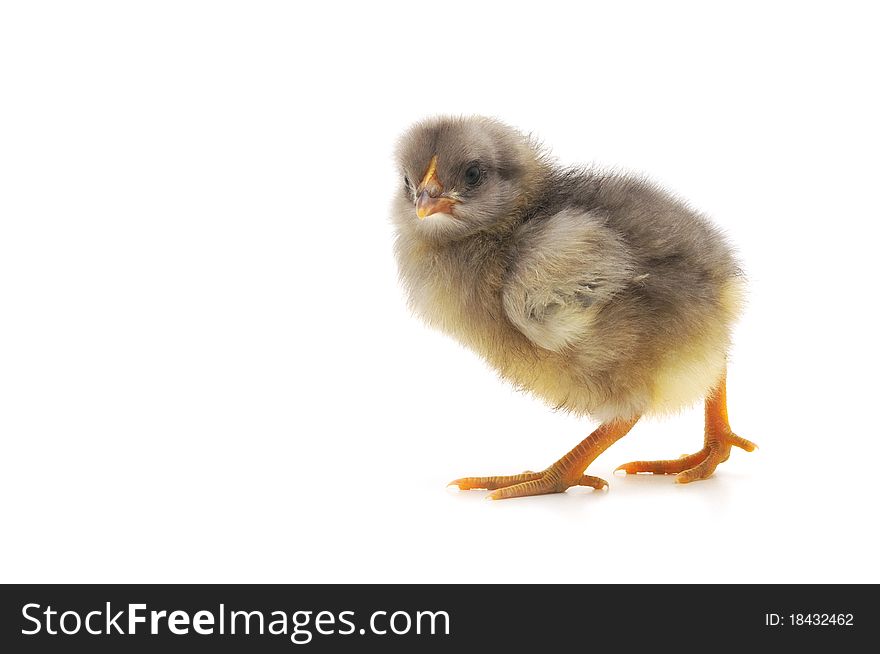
x=207 y=370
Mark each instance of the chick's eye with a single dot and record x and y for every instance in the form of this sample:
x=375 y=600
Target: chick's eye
x=473 y=174
x=406 y=182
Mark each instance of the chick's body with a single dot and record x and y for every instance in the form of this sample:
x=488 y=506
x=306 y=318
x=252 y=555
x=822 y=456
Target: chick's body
x=600 y=293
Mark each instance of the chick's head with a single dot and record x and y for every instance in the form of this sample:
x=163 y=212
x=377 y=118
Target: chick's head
x=460 y=176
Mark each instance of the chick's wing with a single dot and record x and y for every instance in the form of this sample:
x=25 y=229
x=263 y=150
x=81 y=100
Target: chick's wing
x=565 y=269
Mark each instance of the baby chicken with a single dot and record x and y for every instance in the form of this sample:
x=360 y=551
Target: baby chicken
x=599 y=293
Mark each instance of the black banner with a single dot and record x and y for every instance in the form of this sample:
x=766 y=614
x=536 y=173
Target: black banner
x=408 y=618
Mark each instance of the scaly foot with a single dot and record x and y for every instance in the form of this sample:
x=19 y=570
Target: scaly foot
x=565 y=473
x=551 y=480
x=692 y=467
x=719 y=439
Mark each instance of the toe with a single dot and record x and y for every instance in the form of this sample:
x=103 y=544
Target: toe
x=491 y=483
x=592 y=482
x=703 y=471
x=740 y=442
x=525 y=489
x=668 y=467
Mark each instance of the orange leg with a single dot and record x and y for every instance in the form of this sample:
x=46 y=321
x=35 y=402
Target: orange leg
x=565 y=473
x=719 y=439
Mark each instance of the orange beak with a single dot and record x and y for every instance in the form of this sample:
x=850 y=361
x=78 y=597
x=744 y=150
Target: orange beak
x=429 y=194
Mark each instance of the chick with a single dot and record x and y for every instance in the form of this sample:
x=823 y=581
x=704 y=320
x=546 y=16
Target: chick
x=599 y=293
